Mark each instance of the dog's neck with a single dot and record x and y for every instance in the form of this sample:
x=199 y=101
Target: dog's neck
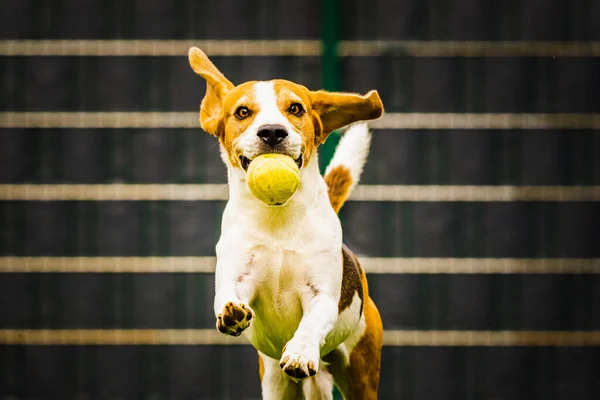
x=311 y=194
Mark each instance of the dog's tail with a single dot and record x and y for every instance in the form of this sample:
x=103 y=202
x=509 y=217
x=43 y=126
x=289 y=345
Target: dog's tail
x=344 y=170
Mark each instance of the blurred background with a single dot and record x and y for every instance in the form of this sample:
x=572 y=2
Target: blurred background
x=477 y=218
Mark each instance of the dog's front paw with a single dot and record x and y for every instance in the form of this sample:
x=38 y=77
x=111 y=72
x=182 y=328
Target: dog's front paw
x=300 y=360
x=234 y=319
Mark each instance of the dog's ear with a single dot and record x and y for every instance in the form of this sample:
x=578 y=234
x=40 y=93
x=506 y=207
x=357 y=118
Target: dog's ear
x=217 y=86
x=336 y=110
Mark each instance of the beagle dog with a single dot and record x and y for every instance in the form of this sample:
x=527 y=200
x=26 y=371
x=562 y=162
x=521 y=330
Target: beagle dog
x=283 y=277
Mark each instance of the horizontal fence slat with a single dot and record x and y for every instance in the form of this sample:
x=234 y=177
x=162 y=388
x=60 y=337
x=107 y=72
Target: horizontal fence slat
x=202 y=192
x=474 y=193
x=213 y=337
x=397 y=265
x=372 y=265
x=486 y=121
x=389 y=121
x=159 y=47
x=116 y=337
x=359 y=48
x=99 y=120
x=107 y=264
x=115 y=192
x=491 y=338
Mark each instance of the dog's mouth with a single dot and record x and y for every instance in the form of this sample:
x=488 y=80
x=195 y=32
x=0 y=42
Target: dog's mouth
x=245 y=162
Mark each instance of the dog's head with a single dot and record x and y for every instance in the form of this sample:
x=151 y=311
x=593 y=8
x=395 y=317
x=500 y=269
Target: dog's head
x=275 y=116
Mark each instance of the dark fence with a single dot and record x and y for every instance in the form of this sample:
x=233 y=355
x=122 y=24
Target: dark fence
x=483 y=256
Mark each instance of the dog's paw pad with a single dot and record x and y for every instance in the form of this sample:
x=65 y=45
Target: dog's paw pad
x=234 y=318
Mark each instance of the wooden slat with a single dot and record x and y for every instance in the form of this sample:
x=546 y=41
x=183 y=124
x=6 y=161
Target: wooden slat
x=486 y=121
x=439 y=121
x=491 y=338
x=107 y=264
x=397 y=265
x=438 y=193
x=196 y=337
x=200 y=192
x=116 y=337
x=372 y=265
x=81 y=120
x=299 y=48
x=104 y=48
x=115 y=192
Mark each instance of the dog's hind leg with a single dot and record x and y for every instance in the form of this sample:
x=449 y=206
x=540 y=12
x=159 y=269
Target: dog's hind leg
x=276 y=384
x=356 y=372
x=318 y=387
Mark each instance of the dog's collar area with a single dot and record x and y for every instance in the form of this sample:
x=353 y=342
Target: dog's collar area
x=245 y=162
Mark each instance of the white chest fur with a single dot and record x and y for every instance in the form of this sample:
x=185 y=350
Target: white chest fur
x=281 y=257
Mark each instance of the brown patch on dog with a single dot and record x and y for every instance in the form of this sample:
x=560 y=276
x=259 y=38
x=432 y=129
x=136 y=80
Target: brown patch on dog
x=358 y=376
x=351 y=280
x=365 y=358
x=338 y=181
x=336 y=110
x=261 y=367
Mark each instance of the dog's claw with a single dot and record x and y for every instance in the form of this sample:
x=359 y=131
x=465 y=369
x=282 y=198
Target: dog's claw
x=284 y=361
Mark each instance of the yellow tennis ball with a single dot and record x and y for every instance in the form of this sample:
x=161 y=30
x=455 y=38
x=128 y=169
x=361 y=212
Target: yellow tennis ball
x=273 y=178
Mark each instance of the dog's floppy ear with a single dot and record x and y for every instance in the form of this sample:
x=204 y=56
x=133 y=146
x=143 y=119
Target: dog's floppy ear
x=336 y=110
x=217 y=86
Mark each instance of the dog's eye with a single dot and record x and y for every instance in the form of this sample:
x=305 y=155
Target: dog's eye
x=242 y=112
x=296 y=109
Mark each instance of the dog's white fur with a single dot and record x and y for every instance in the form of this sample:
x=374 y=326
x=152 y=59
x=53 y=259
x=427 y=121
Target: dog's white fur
x=284 y=255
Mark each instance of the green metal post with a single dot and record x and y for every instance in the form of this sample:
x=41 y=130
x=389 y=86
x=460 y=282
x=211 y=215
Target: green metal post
x=330 y=29
x=330 y=20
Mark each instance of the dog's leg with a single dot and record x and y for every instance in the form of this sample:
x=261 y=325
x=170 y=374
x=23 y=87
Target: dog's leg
x=302 y=353
x=234 y=290
x=356 y=373
x=276 y=385
x=318 y=387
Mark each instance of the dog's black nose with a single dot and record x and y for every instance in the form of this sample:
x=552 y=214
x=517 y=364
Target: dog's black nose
x=272 y=134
